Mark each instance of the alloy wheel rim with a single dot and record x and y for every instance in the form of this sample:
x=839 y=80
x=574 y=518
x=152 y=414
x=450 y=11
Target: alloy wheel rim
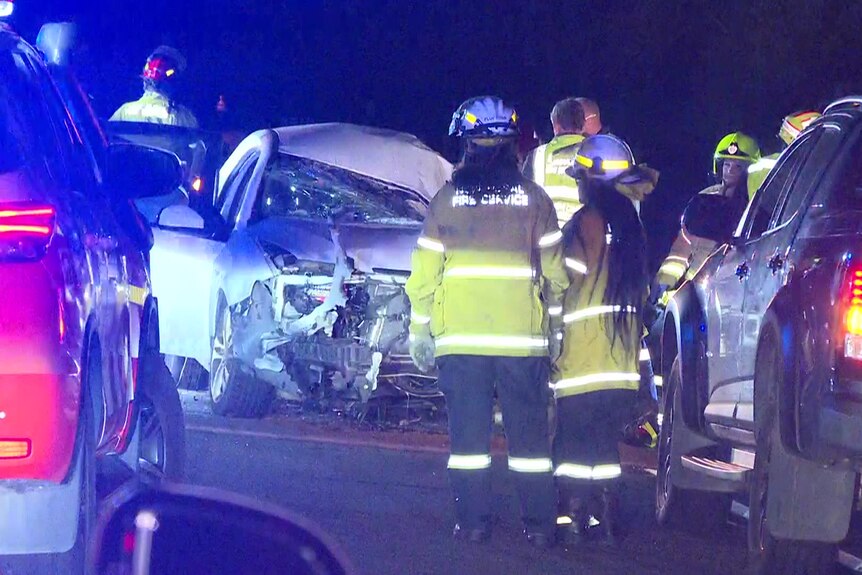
x=221 y=345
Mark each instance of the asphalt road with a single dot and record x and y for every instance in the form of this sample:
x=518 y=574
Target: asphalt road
x=384 y=497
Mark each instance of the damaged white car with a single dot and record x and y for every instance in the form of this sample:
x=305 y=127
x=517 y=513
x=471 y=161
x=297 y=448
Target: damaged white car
x=295 y=283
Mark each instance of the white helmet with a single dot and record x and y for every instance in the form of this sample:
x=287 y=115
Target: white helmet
x=484 y=117
x=603 y=157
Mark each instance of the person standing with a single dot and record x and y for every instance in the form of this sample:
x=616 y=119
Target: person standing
x=489 y=253
x=596 y=378
x=547 y=164
x=592 y=117
x=158 y=104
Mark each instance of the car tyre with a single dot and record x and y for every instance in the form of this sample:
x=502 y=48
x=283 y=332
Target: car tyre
x=767 y=554
x=234 y=392
x=161 y=424
x=686 y=509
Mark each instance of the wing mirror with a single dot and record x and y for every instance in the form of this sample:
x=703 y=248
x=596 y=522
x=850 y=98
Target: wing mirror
x=183 y=529
x=712 y=216
x=134 y=172
x=180 y=217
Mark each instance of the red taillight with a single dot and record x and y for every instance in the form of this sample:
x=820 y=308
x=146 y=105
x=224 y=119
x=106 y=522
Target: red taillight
x=26 y=229
x=851 y=298
x=14 y=448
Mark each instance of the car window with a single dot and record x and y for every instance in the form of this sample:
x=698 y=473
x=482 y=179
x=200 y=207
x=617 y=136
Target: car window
x=761 y=209
x=302 y=188
x=818 y=160
x=235 y=185
x=846 y=194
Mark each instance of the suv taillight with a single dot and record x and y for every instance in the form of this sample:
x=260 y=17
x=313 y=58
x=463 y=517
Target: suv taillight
x=851 y=298
x=26 y=229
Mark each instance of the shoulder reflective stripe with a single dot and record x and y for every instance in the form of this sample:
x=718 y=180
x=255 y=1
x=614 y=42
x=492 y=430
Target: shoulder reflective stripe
x=550 y=239
x=539 y=164
x=555 y=310
x=501 y=341
x=673 y=269
x=644 y=355
x=596 y=310
x=420 y=319
x=574 y=264
x=430 y=244
x=594 y=473
x=531 y=464
x=595 y=378
x=491 y=272
x=762 y=164
x=563 y=193
x=469 y=462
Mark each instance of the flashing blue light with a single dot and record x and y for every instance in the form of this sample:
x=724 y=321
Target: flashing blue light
x=6 y=8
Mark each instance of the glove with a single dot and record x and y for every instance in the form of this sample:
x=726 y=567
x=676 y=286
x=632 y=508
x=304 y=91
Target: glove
x=422 y=350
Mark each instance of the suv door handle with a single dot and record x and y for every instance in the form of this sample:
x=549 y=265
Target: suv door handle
x=742 y=271
x=775 y=263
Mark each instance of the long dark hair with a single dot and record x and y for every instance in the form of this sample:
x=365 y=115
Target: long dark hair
x=626 y=262
x=487 y=169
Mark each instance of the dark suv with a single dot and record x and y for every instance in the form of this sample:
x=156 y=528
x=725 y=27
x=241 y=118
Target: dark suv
x=762 y=358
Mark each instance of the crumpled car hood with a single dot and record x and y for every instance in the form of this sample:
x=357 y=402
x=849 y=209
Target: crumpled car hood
x=371 y=246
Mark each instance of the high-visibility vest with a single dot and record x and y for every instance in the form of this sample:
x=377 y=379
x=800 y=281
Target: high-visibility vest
x=548 y=169
x=481 y=268
x=155 y=108
x=592 y=358
x=758 y=171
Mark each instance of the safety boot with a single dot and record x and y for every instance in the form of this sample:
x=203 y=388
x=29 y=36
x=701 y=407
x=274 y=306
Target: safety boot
x=609 y=520
x=572 y=527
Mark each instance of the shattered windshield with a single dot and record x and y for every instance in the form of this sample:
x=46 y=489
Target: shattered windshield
x=301 y=188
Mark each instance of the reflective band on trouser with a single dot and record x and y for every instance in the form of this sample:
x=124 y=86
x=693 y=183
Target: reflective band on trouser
x=420 y=319
x=550 y=239
x=500 y=341
x=555 y=310
x=598 y=381
x=589 y=473
x=577 y=266
x=469 y=462
x=495 y=272
x=531 y=464
x=596 y=310
x=430 y=244
x=644 y=355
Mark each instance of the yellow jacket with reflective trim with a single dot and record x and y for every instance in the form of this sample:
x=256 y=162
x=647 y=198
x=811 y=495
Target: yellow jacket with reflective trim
x=480 y=269
x=591 y=360
x=758 y=171
x=155 y=108
x=547 y=165
x=687 y=253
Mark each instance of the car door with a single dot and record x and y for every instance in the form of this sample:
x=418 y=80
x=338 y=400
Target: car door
x=798 y=174
x=183 y=269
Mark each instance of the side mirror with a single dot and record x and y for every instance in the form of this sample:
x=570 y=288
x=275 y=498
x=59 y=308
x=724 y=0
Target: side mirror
x=134 y=172
x=57 y=40
x=183 y=529
x=712 y=216
x=180 y=217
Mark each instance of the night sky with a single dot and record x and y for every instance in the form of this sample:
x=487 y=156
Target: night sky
x=671 y=77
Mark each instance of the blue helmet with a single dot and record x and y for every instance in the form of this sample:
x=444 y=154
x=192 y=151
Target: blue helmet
x=603 y=157
x=484 y=117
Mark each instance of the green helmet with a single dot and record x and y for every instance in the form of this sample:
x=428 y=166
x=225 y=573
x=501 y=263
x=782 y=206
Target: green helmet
x=735 y=146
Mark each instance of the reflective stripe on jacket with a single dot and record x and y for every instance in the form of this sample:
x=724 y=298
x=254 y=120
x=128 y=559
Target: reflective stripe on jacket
x=547 y=166
x=480 y=267
x=592 y=359
x=155 y=108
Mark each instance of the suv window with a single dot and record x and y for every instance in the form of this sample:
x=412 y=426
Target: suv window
x=811 y=173
x=846 y=194
x=763 y=206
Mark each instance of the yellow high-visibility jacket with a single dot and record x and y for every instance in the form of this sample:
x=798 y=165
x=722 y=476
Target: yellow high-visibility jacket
x=687 y=253
x=591 y=359
x=547 y=165
x=758 y=171
x=481 y=268
x=155 y=108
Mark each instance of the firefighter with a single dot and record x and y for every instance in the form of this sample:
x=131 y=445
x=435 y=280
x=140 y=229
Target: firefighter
x=486 y=266
x=596 y=378
x=791 y=127
x=547 y=164
x=158 y=105
x=733 y=155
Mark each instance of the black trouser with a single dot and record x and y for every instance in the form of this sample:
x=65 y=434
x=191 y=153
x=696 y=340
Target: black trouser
x=586 y=452
x=468 y=382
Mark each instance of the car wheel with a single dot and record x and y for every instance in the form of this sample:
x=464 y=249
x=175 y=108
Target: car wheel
x=770 y=555
x=692 y=510
x=234 y=392
x=161 y=425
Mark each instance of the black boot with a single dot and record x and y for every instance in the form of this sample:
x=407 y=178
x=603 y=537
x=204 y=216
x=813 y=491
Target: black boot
x=610 y=510
x=574 y=532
